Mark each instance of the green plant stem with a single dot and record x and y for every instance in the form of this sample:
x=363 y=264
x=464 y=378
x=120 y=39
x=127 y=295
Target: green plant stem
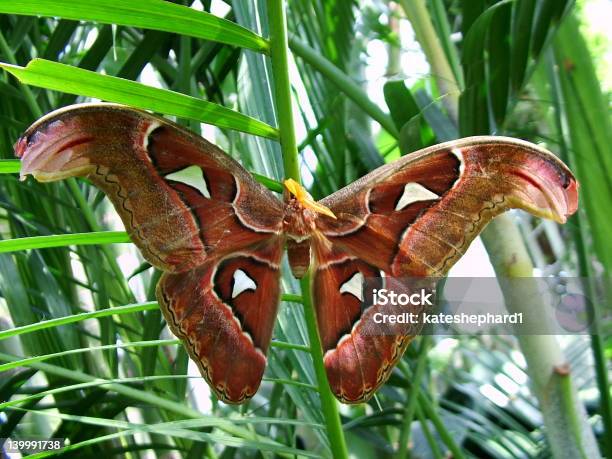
x=328 y=402
x=284 y=114
x=282 y=87
x=292 y=297
x=564 y=428
x=431 y=440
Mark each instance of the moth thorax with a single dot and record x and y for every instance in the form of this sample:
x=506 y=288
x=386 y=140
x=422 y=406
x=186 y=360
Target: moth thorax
x=299 y=221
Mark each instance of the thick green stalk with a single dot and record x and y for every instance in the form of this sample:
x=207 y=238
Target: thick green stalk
x=282 y=87
x=568 y=430
x=284 y=114
x=328 y=402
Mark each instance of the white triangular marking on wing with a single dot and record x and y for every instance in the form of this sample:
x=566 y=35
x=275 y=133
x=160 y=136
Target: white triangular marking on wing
x=150 y=128
x=414 y=192
x=242 y=282
x=192 y=176
x=354 y=286
x=459 y=155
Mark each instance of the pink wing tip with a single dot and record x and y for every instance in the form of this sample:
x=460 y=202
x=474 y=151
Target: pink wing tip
x=20 y=146
x=571 y=196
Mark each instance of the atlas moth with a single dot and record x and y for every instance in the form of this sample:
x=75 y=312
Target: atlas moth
x=218 y=235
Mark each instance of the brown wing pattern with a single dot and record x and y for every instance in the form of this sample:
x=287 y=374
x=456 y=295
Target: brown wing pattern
x=193 y=212
x=416 y=217
x=225 y=312
x=181 y=198
x=359 y=353
x=422 y=211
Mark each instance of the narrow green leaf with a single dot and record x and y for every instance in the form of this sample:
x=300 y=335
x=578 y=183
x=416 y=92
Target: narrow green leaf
x=40 y=358
x=127 y=309
x=548 y=11
x=73 y=80
x=10 y=166
x=473 y=117
x=171 y=428
x=62 y=240
x=148 y=14
x=94 y=383
x=402 y=105
x=523 y=20
x=498 y=43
